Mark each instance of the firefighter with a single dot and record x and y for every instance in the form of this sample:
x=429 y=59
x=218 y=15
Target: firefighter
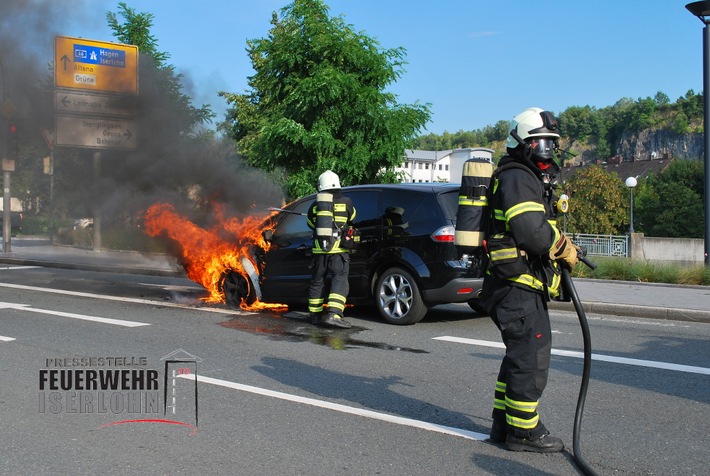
x=329 y=214
x=525 y=250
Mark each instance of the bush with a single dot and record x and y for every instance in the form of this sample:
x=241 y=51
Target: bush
x=624 y=269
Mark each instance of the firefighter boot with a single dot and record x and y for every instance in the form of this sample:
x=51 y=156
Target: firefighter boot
x=316 y=318
x=541 y=444
x=499 y=431
x=334 y=320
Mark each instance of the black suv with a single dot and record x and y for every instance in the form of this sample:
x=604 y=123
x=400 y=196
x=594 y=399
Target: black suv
x=406 y=262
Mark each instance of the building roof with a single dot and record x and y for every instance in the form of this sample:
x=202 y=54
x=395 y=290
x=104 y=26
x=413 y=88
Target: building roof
x=426 y=155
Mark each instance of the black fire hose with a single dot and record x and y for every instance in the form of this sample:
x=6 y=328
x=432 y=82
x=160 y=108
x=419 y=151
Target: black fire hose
x=572 y=292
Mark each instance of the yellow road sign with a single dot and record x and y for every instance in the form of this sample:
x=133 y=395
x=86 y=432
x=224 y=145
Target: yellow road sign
x=96 y=65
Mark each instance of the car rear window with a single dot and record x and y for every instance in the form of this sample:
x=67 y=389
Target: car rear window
x=449 y=202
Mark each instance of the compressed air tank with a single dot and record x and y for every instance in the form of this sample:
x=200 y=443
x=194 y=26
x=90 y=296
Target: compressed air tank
x=324 y=221
x=472 y=213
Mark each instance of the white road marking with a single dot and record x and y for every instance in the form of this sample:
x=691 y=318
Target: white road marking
x=600 y=357
x=18 y=267
x=123 y=299
x=448 y=430
x=6 y=339
x=84 y=317
x=174 y=287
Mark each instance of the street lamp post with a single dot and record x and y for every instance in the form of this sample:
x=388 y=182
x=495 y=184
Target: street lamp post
x=631 y=183
x=702 y=11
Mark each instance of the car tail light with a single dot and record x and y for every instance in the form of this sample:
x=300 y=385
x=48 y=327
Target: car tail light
x=445 y=234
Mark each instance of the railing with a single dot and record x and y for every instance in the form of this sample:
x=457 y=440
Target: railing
x=604 y=245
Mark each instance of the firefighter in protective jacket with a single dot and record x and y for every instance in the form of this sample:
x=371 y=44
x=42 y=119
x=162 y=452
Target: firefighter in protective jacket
x=328 y=216
x=525 y=249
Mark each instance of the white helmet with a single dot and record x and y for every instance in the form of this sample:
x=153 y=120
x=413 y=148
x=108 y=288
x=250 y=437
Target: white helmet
x=535 y=122
x=328 y=180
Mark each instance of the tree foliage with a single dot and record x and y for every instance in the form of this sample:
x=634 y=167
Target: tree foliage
x=160 y=84
x=597 y=202
x=670 y=204
x=318 y=101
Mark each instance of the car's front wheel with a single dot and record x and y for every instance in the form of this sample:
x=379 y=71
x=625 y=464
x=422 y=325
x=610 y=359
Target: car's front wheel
x=237 y=288
x=398 y=298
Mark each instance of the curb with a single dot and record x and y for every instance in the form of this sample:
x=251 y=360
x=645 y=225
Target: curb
x=663 y=313
x=95 y=267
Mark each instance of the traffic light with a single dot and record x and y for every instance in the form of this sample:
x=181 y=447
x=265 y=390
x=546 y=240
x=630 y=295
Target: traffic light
x=13 y=145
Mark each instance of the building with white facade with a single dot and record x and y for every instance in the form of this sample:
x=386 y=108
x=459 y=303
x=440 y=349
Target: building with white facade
x=439 y=165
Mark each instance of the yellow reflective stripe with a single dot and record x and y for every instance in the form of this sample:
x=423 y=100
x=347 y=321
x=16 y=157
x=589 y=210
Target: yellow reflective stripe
x=500 y=386
x=554 y=288
x=521 y=423
x=473 y=202
x=521 y=406
x=498 y=404
x=557 y=235
x=505 y=253
x=315 y=304
x=529 y=280
x=336 y=301
x=499 y=214
x=523 y=207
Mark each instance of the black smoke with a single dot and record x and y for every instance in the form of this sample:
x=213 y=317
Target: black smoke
x=170 y=164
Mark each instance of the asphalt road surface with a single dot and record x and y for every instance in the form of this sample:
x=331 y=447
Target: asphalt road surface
x=85 y=390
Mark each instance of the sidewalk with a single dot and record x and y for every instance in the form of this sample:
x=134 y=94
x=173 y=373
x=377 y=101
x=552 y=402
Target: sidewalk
x=657 y=301
x=32 y=251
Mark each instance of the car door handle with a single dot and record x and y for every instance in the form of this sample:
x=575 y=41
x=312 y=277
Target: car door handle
x=303 y=248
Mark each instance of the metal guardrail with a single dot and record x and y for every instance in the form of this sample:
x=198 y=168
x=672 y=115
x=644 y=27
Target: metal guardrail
x=604 y=245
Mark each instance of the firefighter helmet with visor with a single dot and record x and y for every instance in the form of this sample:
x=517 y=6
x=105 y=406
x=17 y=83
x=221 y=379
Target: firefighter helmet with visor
x=536 y=128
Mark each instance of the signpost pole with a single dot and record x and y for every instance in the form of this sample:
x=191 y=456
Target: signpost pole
x=97 y=201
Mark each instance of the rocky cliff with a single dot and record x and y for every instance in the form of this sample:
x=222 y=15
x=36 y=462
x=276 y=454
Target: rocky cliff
x=660 y=144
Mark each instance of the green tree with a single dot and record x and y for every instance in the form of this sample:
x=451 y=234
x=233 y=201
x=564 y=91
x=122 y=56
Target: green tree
x=158 y=80
x=318 y=101
x=596 y=202
x=670 y=204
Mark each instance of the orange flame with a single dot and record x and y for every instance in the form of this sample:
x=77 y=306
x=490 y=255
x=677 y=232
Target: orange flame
x=207 y=256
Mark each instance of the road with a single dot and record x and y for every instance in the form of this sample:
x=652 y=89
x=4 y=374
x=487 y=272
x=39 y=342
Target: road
x=276 y=395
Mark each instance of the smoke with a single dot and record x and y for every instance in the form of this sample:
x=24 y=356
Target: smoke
x=164 y=167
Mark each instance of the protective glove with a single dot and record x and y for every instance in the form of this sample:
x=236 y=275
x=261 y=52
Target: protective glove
x=565 y=250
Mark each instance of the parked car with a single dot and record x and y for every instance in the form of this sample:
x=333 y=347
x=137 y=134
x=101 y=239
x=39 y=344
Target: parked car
x=406 y=263
x=15 y=222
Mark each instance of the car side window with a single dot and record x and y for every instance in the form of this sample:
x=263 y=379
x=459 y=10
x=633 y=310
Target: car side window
x=406 y=207
x=367 y=208
x=294 y=226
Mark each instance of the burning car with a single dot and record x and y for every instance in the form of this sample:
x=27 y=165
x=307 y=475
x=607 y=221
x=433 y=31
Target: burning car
x=406 y=263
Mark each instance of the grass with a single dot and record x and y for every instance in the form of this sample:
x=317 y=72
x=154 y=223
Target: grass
x=625 y=269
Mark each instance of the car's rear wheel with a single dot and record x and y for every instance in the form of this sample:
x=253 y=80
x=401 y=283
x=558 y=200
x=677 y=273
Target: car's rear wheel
x=237 y=288
x=398 y=298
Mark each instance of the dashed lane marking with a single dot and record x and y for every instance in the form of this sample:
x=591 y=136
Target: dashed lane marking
x=83 y=317
x=600 y=357
x=123 y=299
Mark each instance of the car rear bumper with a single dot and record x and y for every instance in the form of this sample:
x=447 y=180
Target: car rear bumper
x=454 y=291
